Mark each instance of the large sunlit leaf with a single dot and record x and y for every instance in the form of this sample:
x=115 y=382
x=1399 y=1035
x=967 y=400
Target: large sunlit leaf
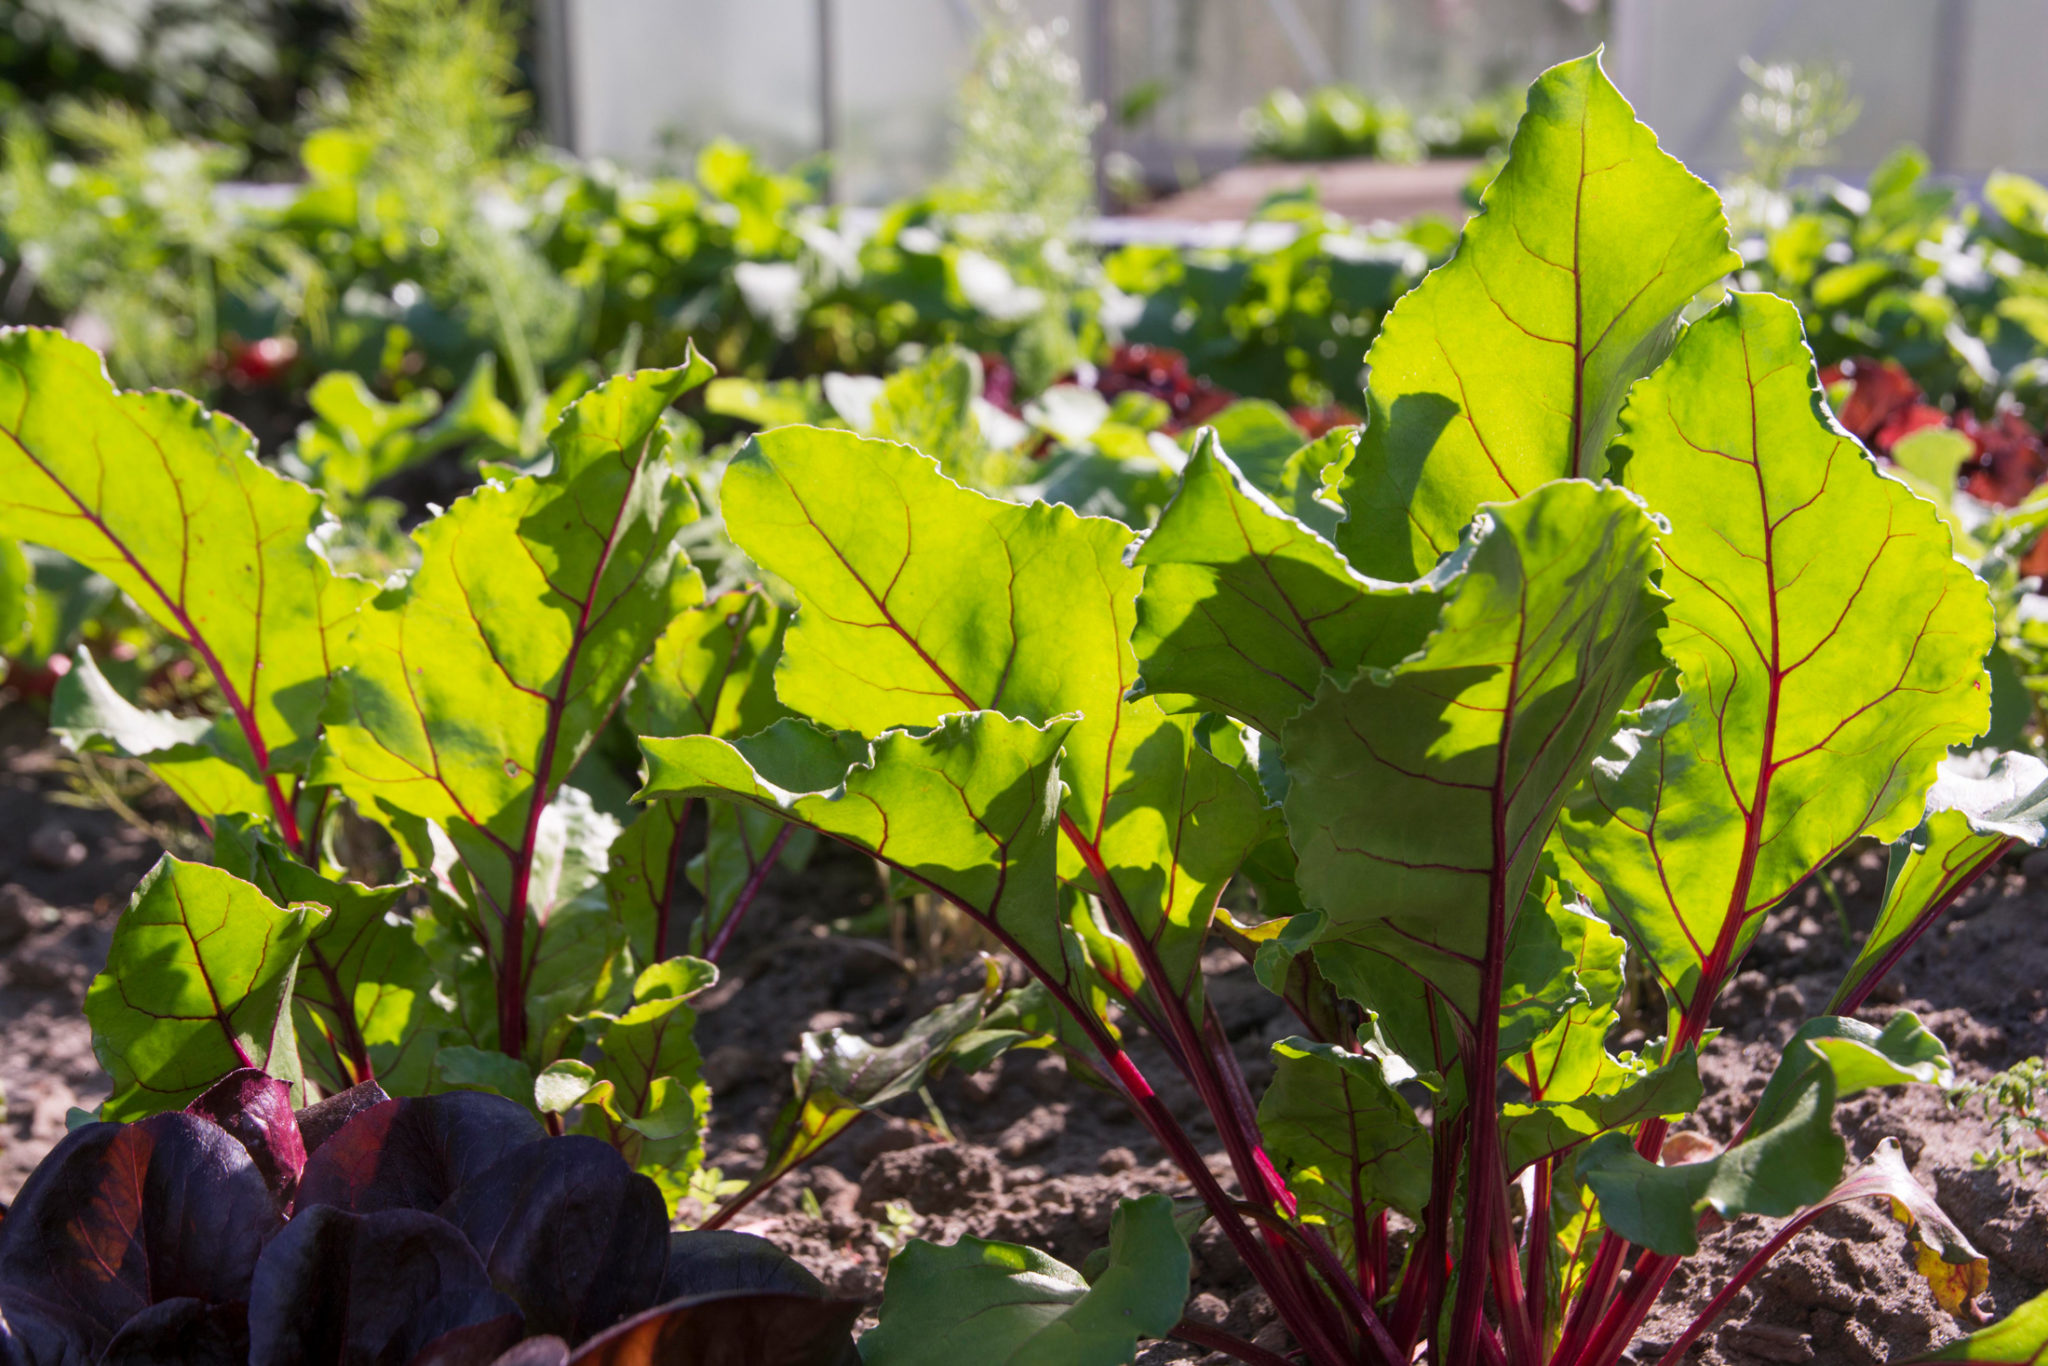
x=1505 y=367
x=920 y=599
x=198 y=983
x=474 y=687
x=1980 y=806
x=533 y=605
x=1245 y=608
x=1830 y=649
x=1013 y=1306
x=169 y=502
x=1421 y=796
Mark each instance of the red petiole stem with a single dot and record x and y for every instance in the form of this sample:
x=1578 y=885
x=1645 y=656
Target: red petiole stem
x=1854 y=999
x=662 y=897
x=755 y=881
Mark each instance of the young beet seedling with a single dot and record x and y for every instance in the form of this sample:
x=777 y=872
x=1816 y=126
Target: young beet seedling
x=1620 y=639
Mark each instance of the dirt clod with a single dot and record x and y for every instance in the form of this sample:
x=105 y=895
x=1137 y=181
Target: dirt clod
x=56 y=847
x=936 y=1178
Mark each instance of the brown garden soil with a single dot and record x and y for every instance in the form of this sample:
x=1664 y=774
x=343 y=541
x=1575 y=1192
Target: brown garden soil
x=1037 y=1156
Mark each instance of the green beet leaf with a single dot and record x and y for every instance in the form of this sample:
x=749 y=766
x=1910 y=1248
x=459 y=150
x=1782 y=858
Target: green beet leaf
x=1013 y=1306
x=1309 y=478
x=1570 y=1059
x=1421 y=796
x=1505 y=367
x=741 y=845
x=1265 y=440
x=1980 y=806
x=205 y=761
x=712 y=670
x=1577 y=1089
x=576 y=947
x=533 y=605
x=462 y=1067
x=363 y=1003
x=1174 y=826
x=920 y=599
x=1791 y=1156
x=1531 y=1131
x=473 y=688
x=839 y=1077
x=17 y=599
x=1346 y=1141
x=967 y=808
x=711 y=674
x=1245 y=608
x=169 y=502
x=1829 y=648
x=646 y=1095
x=198 y=983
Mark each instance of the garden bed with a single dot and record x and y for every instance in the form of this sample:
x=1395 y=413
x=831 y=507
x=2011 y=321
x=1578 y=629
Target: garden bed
x=1038 y=1158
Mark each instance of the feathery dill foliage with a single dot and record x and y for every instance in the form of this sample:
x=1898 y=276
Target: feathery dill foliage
x=1023 y=174
x=129 y=234
x=1024 y=129
x=431 y=116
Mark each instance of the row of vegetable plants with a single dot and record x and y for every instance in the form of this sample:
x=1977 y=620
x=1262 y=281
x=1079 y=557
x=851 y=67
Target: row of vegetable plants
x=1599 y=638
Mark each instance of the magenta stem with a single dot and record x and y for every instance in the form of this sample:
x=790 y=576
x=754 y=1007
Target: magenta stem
x=755 y=880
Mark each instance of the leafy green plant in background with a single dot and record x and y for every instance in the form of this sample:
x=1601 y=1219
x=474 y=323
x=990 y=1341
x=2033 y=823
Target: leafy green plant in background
x=1339 y=121
x=414 y=157
x=230 y=71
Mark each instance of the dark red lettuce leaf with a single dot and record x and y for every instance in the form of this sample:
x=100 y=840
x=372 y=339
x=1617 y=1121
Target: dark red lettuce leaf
x=123 y=1216
x=719 y=1261
x=34 y=1332
x=414 y=1153
x=320 y=1122
x=476 y=1344
x=568 y=1230
x=187 y=1331
x=747 y=1329
x=337 y=1288
x=547 y=1351
x=257 y=1109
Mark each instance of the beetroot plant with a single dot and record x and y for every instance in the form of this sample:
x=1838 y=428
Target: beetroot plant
x=1620 y=639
